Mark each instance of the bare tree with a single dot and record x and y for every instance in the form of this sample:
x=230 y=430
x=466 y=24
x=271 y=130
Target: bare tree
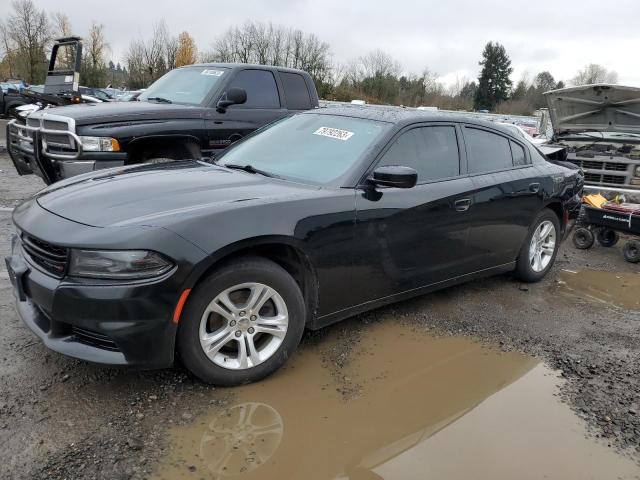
x=594 y=73
x=93 y=62
x=28 y=33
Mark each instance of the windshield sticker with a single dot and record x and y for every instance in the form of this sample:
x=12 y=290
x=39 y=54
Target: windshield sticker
x=334 y=133
x=213 y=73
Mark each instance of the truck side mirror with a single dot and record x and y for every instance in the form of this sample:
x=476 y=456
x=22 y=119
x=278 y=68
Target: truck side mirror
x=233 y=96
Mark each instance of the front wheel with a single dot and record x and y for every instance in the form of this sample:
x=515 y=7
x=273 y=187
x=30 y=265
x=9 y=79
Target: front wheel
x=241 y=323
x=540 y=248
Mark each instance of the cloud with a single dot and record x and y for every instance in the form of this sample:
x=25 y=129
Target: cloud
x=446 y=37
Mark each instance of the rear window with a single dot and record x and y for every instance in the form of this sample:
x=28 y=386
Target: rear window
x=519 y=156
x=486 y=151
x=295 y=91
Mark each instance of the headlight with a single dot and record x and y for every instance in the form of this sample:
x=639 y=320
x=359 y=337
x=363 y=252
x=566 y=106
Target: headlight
x=100 y=144
x=125 y=264
x=637 y=174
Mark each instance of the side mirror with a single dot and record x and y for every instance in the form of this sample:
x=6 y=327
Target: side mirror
x=395 y=176
x=233 y=96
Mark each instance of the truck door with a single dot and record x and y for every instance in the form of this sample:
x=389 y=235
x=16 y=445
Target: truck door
x=263 y=106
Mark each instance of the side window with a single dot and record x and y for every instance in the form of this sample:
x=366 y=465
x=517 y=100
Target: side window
x=295 y=91
x=430 y=151
x=486 y=151
x=519 y=157
x=261 y=88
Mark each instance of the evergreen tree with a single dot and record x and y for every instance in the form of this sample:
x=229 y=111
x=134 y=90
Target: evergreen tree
x=560 y=85
x=494 y=83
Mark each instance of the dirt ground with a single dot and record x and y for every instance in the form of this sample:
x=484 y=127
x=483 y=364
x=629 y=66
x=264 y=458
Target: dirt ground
x=65 y=419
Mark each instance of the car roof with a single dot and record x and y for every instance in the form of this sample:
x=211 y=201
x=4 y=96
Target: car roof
x=401 y=116
x=247 y=65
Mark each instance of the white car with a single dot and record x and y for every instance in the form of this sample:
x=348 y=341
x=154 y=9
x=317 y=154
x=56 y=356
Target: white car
x=518 y=130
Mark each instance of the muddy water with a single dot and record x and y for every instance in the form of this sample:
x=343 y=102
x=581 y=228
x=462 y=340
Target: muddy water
x=419 y=407
x=612 y=288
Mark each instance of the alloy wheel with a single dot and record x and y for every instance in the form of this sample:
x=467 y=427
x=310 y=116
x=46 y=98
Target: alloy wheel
x=543 y=246
x=243 y=326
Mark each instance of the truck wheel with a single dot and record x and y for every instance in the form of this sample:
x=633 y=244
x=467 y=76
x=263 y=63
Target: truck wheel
x=241 y=323
x=583 y=238
x=631 y=251
x=607 y=237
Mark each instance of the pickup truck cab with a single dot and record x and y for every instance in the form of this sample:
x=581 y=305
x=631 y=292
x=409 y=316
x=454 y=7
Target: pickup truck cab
x=191 y=112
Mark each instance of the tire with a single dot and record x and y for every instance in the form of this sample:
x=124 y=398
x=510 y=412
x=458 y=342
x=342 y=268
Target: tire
x=240 y=328
x=583 y=238
x=607 y=237
x=540 y=248
x=631 y=251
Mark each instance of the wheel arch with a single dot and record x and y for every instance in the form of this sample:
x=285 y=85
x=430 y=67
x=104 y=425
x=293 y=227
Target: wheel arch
x=286 y=252
x=556 y=207
x=138 y=149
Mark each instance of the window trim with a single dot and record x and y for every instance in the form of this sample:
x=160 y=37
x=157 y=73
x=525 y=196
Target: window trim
x=243 y=106
x=527 y=160
x=464 y=126
x=402 y=131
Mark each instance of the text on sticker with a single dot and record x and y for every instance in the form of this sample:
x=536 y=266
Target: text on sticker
x=213 y=73
x=334 y=133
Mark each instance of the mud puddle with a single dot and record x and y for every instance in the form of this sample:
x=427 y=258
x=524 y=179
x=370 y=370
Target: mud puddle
x=420 y=407
x=611 y=288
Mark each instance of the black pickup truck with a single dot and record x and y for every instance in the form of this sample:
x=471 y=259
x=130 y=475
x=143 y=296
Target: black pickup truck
x=191 y=112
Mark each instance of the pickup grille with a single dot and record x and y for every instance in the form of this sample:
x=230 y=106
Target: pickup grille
x=59 y=143
x=597 y=178
x=51 y=258
x=599 y=165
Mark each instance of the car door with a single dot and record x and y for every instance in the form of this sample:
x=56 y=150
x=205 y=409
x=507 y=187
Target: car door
x=409 y=238
x=263 y=106
x=506 y=198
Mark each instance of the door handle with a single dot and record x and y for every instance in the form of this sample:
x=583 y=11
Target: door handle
x=462 y=205
x=534 y=187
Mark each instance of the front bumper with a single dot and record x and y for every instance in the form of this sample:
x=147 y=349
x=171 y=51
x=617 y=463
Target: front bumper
x=108 y=324
x=30 y=155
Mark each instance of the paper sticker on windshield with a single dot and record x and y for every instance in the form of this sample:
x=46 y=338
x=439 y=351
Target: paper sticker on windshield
x=334 y=133
x=213 y=73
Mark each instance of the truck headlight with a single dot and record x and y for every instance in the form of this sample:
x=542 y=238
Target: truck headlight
x=100 y=144
x=119 y=265
x=637 y=172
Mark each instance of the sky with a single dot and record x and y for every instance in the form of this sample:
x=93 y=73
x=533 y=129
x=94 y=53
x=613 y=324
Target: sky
x=445 y=36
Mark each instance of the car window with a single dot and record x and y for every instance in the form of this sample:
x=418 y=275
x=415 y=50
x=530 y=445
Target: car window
x=311 y=148
x=261 y=88
x=486 y=151
x=295 y=91
x=430 y=151
x=519 y=156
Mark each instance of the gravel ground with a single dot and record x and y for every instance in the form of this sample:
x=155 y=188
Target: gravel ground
x=62 y=419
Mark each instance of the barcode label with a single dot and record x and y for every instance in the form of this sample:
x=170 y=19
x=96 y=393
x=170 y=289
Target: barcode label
x=334 y=133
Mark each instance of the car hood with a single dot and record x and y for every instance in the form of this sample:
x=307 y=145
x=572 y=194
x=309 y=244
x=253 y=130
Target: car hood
x=152 y=194
x=89 y=113
x=601 y=107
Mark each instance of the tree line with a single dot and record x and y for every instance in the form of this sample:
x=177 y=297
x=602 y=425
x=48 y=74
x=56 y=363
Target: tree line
x=27 y=34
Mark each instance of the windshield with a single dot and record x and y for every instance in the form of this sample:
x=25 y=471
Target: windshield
x=189 y=85
x=310 y=148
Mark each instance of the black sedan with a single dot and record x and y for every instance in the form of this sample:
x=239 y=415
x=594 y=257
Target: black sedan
x=311 y=220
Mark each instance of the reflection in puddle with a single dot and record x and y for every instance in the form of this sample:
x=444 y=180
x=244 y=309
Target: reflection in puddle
x=618 y=289
x=423 y=408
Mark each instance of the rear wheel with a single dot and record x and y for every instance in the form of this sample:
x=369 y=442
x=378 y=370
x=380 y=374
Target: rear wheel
x=631 y=251
x=241 y=323
x=540 y=248
x=607 y=237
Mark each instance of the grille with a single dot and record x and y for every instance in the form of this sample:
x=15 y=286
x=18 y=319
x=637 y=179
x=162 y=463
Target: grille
x=618 y=167
x=51 y=258
x=62 y=143
x=597 y=165
x=33 y=122
x=94 y=339
x=597 y=178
